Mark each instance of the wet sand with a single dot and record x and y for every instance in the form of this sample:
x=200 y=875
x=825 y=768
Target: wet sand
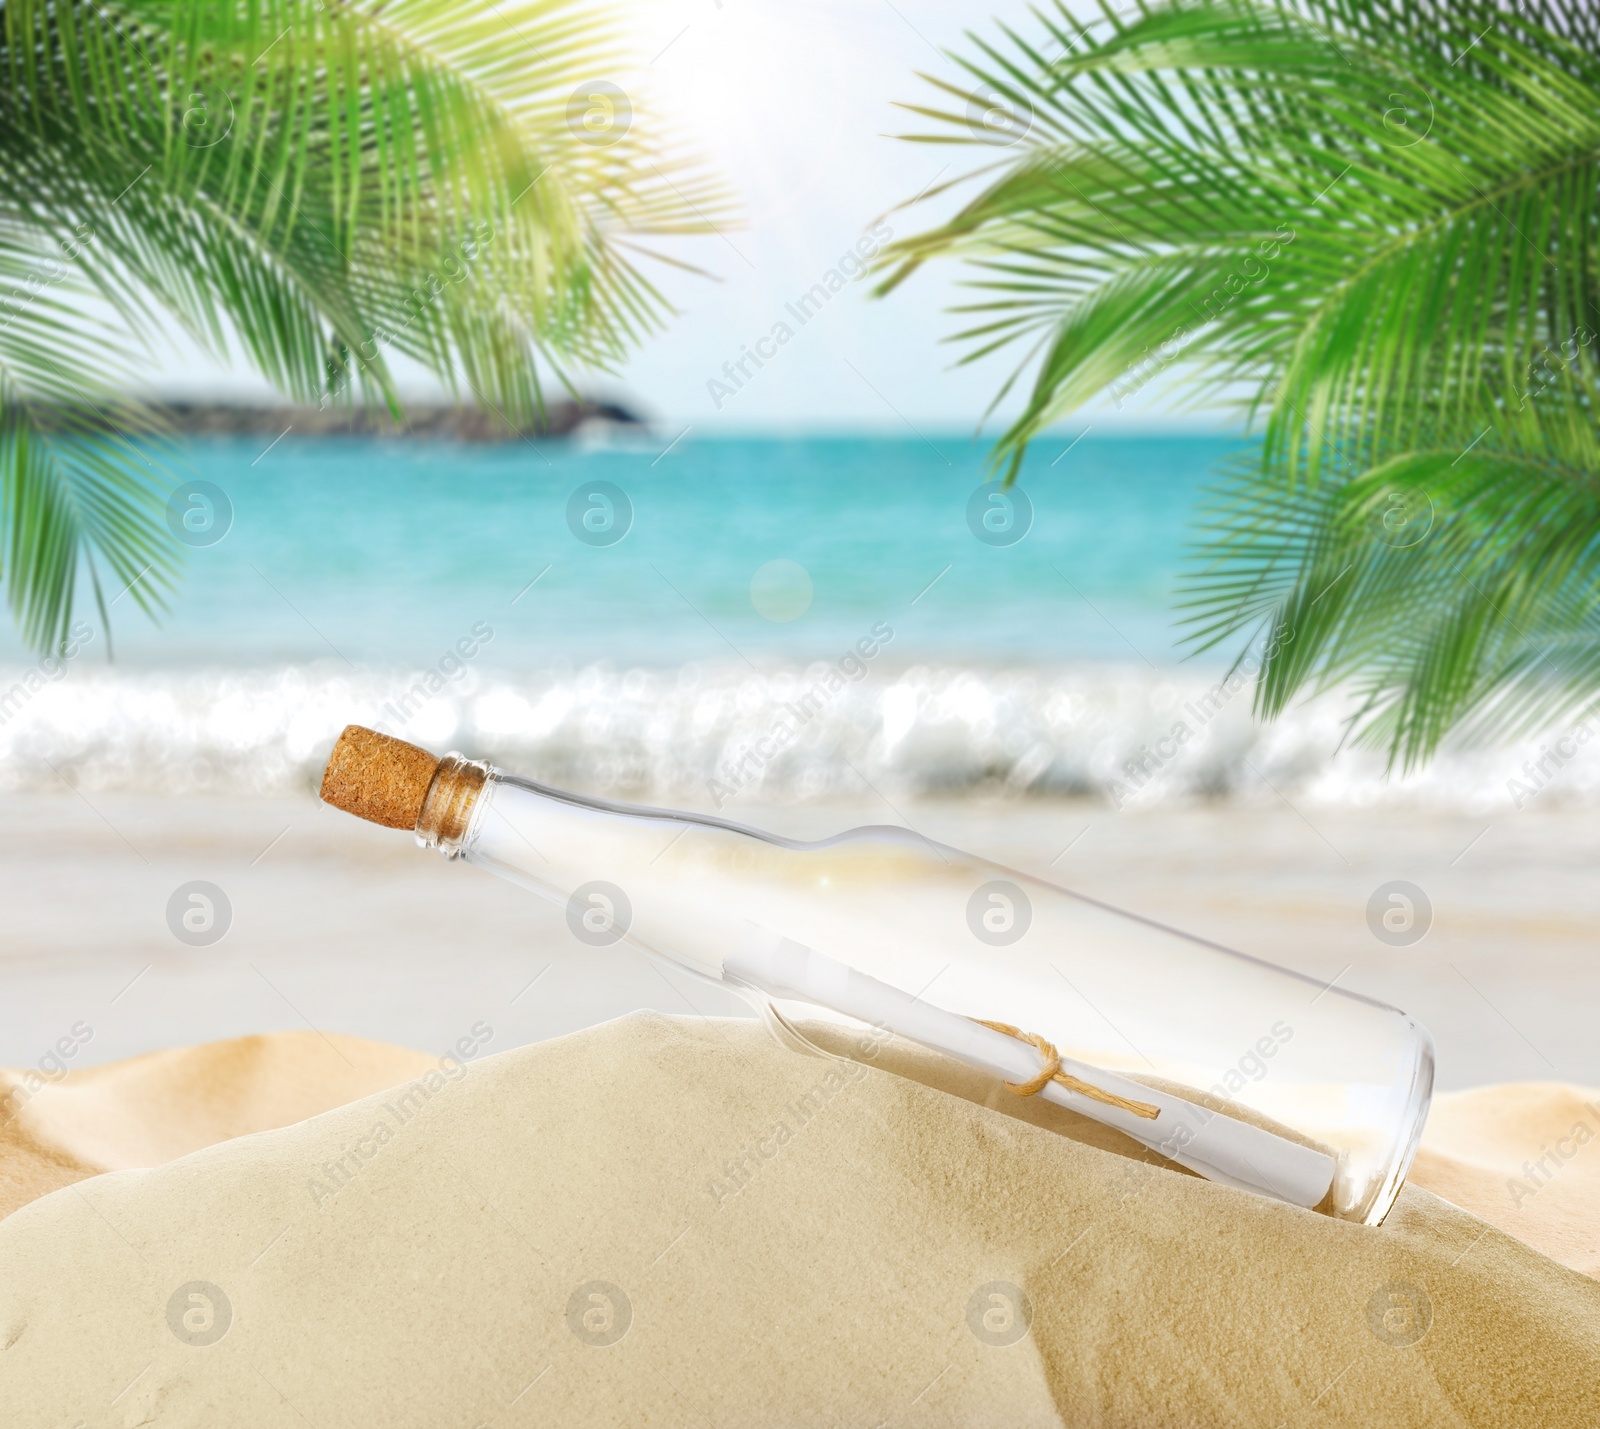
x=341 y=926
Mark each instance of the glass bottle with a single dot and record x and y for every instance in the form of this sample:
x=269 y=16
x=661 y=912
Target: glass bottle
x=1240 y=1070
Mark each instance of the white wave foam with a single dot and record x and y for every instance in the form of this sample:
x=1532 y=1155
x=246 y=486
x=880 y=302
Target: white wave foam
x=699 y=733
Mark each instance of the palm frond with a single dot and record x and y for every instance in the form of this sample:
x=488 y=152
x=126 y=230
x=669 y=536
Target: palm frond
x=322 y=186
x=1379 y=220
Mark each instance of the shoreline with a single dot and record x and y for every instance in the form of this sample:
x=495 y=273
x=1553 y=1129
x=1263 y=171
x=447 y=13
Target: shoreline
x=344 y=927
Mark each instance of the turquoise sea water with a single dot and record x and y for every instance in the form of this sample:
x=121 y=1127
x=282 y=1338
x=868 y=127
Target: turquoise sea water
x=635 y=619
x=387 y=552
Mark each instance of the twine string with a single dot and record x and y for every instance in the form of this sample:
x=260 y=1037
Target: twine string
x=1050 y=1071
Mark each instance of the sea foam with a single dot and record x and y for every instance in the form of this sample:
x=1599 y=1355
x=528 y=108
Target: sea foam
x=718 y=735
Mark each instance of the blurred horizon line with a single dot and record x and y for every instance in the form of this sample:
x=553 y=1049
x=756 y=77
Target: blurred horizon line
x=194 y=415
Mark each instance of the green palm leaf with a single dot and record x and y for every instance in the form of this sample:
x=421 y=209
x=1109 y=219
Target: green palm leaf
x=1378 y=221
x=315 y=187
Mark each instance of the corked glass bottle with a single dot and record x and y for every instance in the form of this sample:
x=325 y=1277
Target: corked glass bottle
x=1242 y=1071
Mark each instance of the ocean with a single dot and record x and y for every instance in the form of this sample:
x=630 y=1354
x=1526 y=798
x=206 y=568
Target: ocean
x=697 y=621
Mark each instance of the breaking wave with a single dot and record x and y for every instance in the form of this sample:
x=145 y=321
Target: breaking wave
x=704 y=735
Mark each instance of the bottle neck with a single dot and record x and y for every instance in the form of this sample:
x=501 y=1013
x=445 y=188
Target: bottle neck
x=448 y=807
x=459 y=789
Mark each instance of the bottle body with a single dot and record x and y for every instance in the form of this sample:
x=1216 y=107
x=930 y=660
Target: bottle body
x=927 y=931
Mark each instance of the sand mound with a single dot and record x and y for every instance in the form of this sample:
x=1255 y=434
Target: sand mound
x=664 y=1220
x=153 y=1109
x=1525 y=1158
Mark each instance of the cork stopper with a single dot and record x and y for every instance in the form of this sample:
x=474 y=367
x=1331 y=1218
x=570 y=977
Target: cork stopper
x=375 y=776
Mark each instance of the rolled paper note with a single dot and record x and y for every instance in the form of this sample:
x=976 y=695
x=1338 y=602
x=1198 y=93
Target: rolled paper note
x=1217 y=1147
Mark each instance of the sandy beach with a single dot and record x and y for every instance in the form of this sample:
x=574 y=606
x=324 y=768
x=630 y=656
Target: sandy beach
x=1131 y=446
x=519 y=1201
x=345 y=927
x=678 y=1219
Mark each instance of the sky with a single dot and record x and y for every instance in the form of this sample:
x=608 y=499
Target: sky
x=793 y=103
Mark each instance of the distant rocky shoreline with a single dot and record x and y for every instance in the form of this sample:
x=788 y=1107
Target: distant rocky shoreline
x=434 y=420
x=421 y=419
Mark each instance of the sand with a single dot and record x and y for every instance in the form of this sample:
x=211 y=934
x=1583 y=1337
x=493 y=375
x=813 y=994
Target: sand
x=1525 y=1158
x=152 y=1109
x=677 y=1220
x=340 y=925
